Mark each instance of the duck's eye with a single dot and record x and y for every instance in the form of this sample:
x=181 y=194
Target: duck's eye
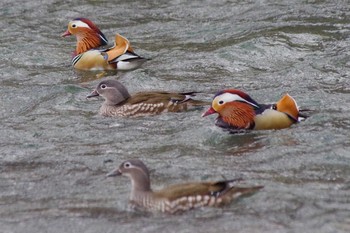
x=274 y=107
x=103 y=86
x=74 y=25
x=221 y=102
x=127 y=165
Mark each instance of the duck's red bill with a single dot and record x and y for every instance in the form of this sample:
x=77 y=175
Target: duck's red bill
x=66 y=33
x=209 y=112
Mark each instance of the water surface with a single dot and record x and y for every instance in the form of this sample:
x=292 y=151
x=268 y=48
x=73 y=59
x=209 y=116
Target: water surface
x=55 y=149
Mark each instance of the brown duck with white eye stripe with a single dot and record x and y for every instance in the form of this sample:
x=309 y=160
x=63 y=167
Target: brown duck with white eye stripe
x=180 y=197
x=119 y=103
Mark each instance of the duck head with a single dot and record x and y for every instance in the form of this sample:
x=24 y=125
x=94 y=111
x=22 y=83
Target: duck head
x=87 y=33
x=235 y=108
x=137 y=172
x=112 y=91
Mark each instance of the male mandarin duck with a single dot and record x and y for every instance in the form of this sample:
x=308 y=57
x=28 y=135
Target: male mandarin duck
x=119 y=103
x=89 y=53
x=179 y=197
x=237 y=111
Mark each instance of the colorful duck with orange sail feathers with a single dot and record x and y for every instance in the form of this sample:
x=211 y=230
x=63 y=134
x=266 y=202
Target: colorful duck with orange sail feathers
x=238 y=111
x=90 y=54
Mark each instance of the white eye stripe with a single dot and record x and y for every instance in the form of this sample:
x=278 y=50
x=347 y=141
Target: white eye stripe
x=229 y=97
x=78 y=23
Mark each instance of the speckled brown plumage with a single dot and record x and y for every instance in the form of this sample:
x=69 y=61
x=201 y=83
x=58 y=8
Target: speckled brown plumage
x=179 y=197
x=119 y=103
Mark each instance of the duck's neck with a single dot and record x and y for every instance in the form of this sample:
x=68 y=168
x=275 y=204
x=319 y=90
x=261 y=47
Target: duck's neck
x=239 y=115
x=140 y=184
x=88 y=40
x=117 y=98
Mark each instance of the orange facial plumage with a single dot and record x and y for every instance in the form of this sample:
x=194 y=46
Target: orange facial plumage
x=87 y=33
x=89 y=40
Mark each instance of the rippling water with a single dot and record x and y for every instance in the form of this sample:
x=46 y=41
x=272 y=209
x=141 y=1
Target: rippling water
x=55 y=149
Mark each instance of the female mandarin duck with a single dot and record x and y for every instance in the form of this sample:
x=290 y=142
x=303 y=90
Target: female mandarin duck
x=179 y=197
x=119 y=103
x=237 y=111
x=88 y=54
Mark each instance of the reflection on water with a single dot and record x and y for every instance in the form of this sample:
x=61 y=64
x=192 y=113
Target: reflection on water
x=88 y=76
x=55 y=148
x=236 y=144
